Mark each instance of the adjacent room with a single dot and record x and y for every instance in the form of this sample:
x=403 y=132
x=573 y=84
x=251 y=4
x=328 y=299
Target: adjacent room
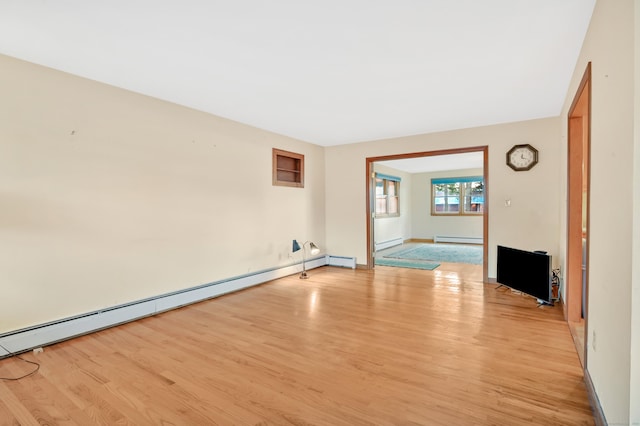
x=429 y=209
x=259 y=212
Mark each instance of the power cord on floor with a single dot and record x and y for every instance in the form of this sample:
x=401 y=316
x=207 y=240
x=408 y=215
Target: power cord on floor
x=22 y=359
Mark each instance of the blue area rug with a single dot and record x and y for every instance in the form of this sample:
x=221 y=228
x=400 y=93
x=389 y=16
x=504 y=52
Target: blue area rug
x=401 y=263
x=454 y=253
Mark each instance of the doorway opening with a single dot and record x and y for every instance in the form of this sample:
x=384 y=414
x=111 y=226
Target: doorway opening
x=578 y=187
x=371 y=197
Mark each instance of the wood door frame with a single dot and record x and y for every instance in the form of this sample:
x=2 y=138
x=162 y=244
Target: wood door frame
x=485 y=215
x=578 y=185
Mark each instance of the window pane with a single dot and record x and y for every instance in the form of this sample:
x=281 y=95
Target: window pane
x=471 y=205
x=391 y=188
x=379 y=187
x=446 y=204
x=393 y=205
x=453 y=204
x=387 y=196
x=474 y=197
x=477 y=188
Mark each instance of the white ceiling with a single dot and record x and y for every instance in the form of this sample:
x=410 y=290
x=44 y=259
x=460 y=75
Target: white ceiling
x=327 y=72
x=468 y=160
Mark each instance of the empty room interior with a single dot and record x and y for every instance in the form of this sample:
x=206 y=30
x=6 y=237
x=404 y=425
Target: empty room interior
x=233 y=212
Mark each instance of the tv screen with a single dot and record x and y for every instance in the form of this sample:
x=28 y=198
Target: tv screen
x=525 y=271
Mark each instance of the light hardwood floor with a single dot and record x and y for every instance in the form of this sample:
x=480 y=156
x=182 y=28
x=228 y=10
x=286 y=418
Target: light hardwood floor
x=345 y=347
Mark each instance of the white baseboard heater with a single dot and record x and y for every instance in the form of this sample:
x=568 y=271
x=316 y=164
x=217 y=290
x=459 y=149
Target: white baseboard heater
x=345 y=262
x=46 y=334
x=389 y=243
x=466 y=240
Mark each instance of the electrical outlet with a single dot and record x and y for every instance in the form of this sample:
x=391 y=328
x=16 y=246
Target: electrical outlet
x=593 y=340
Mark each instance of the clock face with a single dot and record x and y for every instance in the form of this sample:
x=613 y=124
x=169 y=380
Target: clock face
x=522 y=157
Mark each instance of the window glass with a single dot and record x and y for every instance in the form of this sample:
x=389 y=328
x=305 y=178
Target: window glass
x=387 y=196
x=448 y=195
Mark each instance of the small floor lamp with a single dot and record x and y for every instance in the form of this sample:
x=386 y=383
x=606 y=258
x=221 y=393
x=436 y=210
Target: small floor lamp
x=313 y=249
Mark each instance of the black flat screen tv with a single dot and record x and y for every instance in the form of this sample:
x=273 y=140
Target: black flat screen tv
x=525 y=271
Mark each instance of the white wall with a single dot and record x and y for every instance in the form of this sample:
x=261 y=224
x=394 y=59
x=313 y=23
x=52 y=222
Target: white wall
x=609 y=46
x=534 y=194
x=107 y=197
x=426 y=226
x=389 y=228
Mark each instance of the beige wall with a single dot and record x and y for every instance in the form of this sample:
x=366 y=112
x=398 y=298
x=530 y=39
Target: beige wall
x=108 y=197
x=426 y=226
x=534 y=194
x=609 y=46
x=389 y=228
x=634 y=394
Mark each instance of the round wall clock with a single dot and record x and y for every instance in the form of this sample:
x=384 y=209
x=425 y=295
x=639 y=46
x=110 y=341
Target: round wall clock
x=522 y=157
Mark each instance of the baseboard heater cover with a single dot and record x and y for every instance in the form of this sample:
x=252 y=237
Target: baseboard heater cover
x=345 y=262
x=467 y=240
x=389 y=243
x=46 y=334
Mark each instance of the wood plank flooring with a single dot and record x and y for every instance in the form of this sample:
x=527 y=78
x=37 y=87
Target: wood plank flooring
x=345 y=347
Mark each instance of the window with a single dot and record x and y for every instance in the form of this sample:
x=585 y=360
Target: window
x=457 y=196
x=387 y=195
x=288 y=168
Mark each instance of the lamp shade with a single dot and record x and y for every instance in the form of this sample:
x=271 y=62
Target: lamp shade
x=295 y=247
x=313 y=249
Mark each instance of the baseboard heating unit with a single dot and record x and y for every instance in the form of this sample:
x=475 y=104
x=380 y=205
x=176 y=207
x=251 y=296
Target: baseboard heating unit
x=466 y=240
x=389 y=243
x=345 y=262
x=46 y=334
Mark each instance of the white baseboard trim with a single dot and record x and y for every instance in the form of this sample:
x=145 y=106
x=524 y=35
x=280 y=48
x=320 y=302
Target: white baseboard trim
x=594 y=401
x=389 y=243
x=46 y=334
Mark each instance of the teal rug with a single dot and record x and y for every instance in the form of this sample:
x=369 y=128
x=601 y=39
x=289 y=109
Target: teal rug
x=454 y=253
x=401 y=263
